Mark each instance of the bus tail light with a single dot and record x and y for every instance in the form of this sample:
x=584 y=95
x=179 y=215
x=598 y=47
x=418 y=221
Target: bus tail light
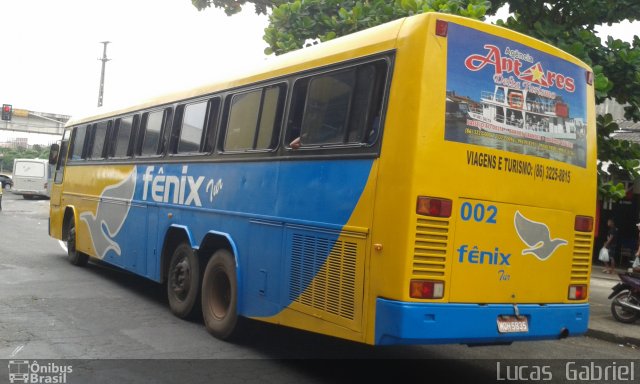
x=583 y=224
x=442 y=27
x=422 y=289
x=577 y=292
x=431 y=206
x=589 y=76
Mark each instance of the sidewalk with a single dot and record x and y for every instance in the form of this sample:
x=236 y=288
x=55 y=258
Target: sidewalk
x=602 y=325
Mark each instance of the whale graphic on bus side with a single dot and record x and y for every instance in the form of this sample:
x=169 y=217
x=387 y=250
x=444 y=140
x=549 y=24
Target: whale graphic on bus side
x=105 y=225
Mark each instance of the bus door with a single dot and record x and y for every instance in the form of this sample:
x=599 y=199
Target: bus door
x=57 y=159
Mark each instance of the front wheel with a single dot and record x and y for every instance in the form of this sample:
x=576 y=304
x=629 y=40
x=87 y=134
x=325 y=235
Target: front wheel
x=621 y=313
x=75 y=257
x=220 y=295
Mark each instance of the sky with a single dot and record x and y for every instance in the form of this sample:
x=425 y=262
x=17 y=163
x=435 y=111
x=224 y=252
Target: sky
x=49 y=59
x=50 y=63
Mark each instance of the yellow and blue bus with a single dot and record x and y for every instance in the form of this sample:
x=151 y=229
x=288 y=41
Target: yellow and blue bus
x=429 y=180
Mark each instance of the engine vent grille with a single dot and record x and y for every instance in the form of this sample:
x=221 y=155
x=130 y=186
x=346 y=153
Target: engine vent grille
x=581 y=261
x=323 y=274
x=430 y=248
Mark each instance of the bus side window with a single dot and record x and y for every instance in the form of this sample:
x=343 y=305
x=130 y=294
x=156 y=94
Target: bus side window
x=243 y=116
x=77 y=142
x=149 y=133
x=295 y=113
x=337 y=108
x=121 y=137
x=62 y=157
x=327 y=108
x=99 y=139
x=192 y=128
x=211 y=125
x=254 y=119
x=374 y=110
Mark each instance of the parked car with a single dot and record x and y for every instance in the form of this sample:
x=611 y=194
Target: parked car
x=6 y=180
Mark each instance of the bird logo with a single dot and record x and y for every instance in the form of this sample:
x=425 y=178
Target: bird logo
x=111 y=212
x=537 y=237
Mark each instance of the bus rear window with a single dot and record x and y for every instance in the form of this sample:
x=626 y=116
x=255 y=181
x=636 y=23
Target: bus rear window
x=29 y=169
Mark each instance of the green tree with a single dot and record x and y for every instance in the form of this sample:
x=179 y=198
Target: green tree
x=232 y=7
x=8 y=154
x=293 y=24
x=567 y=24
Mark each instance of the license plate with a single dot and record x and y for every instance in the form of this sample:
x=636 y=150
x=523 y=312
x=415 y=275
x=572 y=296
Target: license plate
x=512 y=324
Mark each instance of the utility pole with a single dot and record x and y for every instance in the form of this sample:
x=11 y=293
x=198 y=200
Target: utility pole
x=104 y=62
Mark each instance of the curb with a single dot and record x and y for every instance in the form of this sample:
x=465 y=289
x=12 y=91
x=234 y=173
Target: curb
x=613 y=338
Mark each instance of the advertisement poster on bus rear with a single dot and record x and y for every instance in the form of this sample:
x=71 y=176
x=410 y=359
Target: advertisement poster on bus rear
x=505 y=95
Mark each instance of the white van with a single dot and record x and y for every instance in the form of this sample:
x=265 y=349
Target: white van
x=31 y=178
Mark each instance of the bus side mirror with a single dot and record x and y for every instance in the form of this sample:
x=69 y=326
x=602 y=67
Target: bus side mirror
x=53 y=153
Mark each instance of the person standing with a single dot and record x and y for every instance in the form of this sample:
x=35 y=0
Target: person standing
x=636 y=261
x=610 y=244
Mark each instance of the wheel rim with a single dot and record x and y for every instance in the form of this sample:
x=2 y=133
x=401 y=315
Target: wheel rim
x=220 y=294
x=621 y=311
x=181 y=278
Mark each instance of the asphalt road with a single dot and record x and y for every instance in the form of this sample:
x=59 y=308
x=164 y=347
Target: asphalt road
x=50 y=309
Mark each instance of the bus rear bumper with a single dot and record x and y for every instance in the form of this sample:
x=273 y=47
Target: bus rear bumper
x=426 y=323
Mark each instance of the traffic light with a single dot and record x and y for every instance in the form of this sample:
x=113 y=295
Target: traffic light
x=7 y=110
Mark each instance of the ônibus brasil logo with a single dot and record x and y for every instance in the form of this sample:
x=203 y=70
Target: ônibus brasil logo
x=24 y=371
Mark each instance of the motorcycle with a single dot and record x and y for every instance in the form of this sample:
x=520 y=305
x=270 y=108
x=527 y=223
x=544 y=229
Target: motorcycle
x=625 y=306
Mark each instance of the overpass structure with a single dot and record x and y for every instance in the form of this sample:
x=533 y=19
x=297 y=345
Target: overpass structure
x=30 y=127
x=35 y=122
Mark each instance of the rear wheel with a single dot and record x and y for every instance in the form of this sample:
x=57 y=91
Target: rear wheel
x=75 y=257
x=220 y=295
x=621 y=313
x=183 y=281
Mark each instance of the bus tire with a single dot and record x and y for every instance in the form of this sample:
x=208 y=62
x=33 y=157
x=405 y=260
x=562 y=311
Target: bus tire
x=183 y=281
x=75 y=257
x=220 y=296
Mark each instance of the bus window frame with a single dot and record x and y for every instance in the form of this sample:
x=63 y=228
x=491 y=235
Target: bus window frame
x=74 y=134
x=214 y=120
x=65 y=146
x=114 y=136
x=354 y=73
x=105 y=145
x=281 y=109
x=216 y=127
x=386 y=59
x=165 y=126
x=209 y=128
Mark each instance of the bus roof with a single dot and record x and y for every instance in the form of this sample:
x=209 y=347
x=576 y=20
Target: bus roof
x=370 y=41
x=360 y=44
